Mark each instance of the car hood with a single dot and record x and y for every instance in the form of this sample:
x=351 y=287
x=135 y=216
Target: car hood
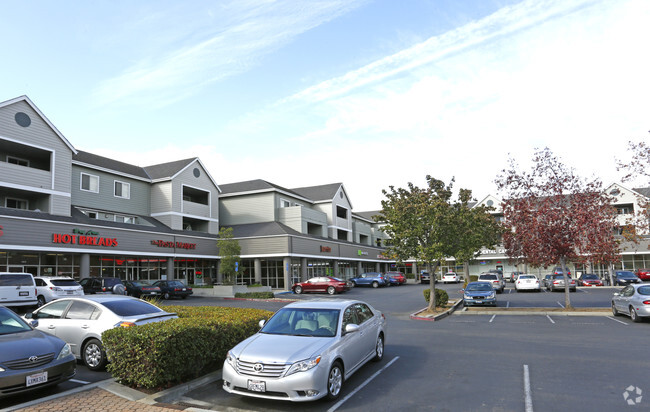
x=280 y=348
x=25 y=344
x=478 y=293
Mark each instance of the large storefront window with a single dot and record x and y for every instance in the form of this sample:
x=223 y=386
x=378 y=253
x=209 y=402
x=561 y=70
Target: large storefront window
x=317 y=267
x=347 y=269
x=368 y=267
x=246 y=273
x=272 y=273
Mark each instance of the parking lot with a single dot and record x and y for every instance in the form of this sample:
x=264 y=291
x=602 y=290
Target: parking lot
x=472 y=362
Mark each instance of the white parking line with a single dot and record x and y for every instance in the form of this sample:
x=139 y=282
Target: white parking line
x=492 y=318
x=508 y=304
x=619 y=321
x=561 y=305
x=78 y=381
x=367 y=381
x=527 y=394
x=549 y=318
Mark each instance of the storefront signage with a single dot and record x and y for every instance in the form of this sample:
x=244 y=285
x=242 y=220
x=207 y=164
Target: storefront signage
x=362 y=253
x=325 y=249
x=500 y=251
x=180 y=245
x=1 y=233
x=83 y=237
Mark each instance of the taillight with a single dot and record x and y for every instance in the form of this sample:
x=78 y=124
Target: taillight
x=646 y=302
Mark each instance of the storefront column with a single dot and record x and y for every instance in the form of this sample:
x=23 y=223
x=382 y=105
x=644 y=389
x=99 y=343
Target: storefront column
x=219 y=274
x=84 y=265
x=359 y=268
x=303 y=269
x=258 y=271
x=336 y=269
x=170 y=268
x=377 y=267
x=286 y=270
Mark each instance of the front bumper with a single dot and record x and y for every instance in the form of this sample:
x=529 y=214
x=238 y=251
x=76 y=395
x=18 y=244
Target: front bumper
x=290 y=388
x=480 y=302
x=14 y=381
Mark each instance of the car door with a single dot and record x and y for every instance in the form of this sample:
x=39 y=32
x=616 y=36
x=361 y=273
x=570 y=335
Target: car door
x=368 y=324
x=78 y=322
x=311 y=285
x=352 y=347
x=49 y=316
x=621 y=301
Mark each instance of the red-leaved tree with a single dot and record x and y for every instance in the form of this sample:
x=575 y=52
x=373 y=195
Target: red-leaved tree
x=552 y=216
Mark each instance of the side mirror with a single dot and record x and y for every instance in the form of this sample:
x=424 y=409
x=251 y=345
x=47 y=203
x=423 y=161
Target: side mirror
x=33 y=323
x=351 y=328
x=262 y=323
x=29 y=315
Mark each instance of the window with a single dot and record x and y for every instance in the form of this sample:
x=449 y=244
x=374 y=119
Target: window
x=285 y=203
x=89 y=183
x=341 y=212
x=17 y=161
x=122 y=190
x=92 y=215
x=16 y=203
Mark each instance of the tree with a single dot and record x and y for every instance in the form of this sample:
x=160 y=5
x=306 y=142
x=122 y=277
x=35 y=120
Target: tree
x=229 y=250
x=424 y=224
x=553 y=216
x=636 y=168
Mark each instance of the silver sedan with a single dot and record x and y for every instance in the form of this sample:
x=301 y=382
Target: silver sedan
x=306 y=351
x=81 y=321
x=632 y=300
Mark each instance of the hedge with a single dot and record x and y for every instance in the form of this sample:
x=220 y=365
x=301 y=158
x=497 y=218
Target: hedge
x=441 y=296
x=162 y=354
x=255 y=295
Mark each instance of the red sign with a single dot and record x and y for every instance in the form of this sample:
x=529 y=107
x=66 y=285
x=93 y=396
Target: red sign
x=326 y=249
x=83 y=240
x=180 y=245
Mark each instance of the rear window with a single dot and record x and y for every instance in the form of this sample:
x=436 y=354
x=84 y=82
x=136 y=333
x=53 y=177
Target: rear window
x=128 y=307
x=644 y=290
x=16 y=280
x=112 y=281
x=64 y=282
x=488 y=277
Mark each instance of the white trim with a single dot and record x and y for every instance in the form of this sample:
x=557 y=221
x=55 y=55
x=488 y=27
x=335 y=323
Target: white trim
x=122 y=183
x=81 y=183
x=184 y=215
x=267 y=190
x=17 y=200
x=339 y=228
x=34 y=189
x=111 y=171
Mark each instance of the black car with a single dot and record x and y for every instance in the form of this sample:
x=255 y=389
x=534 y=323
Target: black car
x=141 y=288
x=173 y=288
x=103 y=285
x=625 y=277
x=31 y=359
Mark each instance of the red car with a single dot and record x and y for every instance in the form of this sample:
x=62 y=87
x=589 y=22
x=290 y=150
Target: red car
x=643 y=274
x=321 y=284
x=396 y=278
x=589 y=279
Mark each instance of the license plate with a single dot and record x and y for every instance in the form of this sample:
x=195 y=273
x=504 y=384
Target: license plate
x=152 y=293
x=256 y=386
x=36 y=378
x=23 y=293
x=69 y=292
x=184 y=289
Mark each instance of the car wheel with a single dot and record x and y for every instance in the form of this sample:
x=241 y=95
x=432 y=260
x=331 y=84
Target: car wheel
x=41 y=301
x=331 y=290
x=375 y=284
x=166 y=296
x=615 y=311
x=93 y=355
x=634 y=316
x=379 y=348
x=298 y=290
x=334 y=381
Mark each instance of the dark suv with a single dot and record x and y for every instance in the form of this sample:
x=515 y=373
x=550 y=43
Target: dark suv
x=103 y=285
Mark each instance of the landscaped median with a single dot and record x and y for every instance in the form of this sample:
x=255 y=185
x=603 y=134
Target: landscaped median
x=161 y=354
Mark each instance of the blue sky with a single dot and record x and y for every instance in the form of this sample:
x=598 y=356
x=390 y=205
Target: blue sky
x=368 y=93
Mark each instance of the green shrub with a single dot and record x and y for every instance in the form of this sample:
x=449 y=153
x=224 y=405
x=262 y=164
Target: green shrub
x=473 y=278
x=255 y=295
x=161 y=354
x=441 y=296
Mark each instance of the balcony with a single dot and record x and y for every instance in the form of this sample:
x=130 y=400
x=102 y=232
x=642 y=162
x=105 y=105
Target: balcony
x=25 y=176
x=196 y=209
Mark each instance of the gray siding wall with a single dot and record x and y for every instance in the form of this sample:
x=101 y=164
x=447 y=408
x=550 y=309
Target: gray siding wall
x=41 y=135
x=241 y=210
x=161 y=197
x=298 y=217
x=203 y=182
x=266 y=246
x=362 y=228
x=105 y=199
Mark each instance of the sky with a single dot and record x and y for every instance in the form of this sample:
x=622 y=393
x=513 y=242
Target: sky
x=369 y=93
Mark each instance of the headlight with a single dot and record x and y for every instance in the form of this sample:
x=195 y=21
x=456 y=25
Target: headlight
x=230 y=358
x=304 y=365
x=65 y=351
x=491 y=295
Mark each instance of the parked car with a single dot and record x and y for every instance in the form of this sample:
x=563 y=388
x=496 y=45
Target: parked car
x=425 y=277
x=140 y=288
x=497 y=281
x=643 y=274
x=81 y=321
x=373 y=279
x=450 y=277
x=511 y=277
x=327 y=284
x=173 y=288
x=17 y=289
x=49 y=288
x=625 y=277
x=546 y=281
x=589 y=279
x=558 y=271
x=396 y=278
x=92 y=286
x=556 y=282
x=479 y=293
x=30 y=359
x=632 y=300
x=527 y=282
x=306 y=351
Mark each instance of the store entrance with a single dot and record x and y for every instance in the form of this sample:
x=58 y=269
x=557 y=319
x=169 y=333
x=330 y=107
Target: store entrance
x=23 y=269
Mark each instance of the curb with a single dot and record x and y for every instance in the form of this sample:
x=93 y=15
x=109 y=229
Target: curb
x=436 y=317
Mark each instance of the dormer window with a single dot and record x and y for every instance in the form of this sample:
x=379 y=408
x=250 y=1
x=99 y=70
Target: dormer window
x=341 y=212
x=122 y=190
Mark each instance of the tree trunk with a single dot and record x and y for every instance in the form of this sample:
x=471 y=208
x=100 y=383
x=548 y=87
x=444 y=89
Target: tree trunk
x=432 y=286
x=567 y=295
x=466 y=273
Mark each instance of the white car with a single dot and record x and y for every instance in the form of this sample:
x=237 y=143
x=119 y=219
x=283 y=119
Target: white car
x=527 y=282
x=495 y=278
x=49 y=288
x=306 y=351
x=450 y=277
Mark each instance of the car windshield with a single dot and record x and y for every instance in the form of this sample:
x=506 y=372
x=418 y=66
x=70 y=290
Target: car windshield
x=589 y=277
x=11 y=323
x=625 y=274
x=303 y=322
x=643 y=290
x=130 y=307
x=64 y=282
x=140 y=283
x=477 y=287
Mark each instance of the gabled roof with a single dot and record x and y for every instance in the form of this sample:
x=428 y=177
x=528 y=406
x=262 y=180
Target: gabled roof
x=262 y=229
x=645 y=191
x=320 y=193
x=368 y=215
x=169 y=169
x=33 y=106
x=85 y=158
x=257 y=186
